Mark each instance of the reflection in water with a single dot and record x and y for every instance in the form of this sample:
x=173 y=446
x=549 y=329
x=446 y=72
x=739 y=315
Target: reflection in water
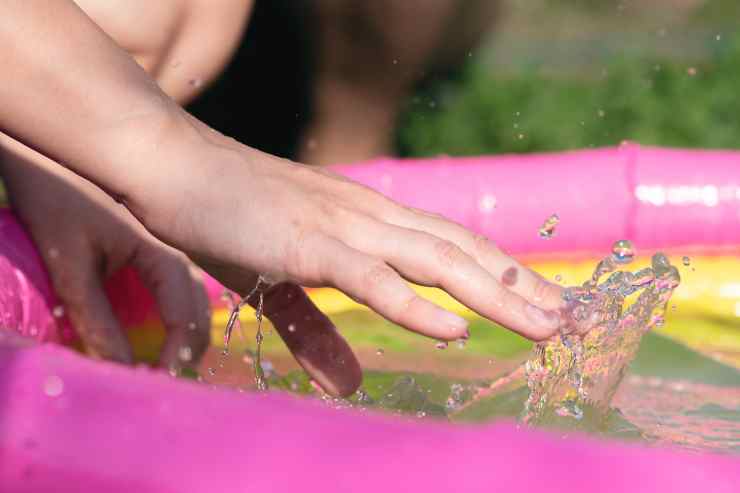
x=691 y=415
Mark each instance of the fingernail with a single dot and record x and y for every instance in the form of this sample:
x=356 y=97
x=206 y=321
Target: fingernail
x=466 y=335
x=550 y=320
x=454 y=321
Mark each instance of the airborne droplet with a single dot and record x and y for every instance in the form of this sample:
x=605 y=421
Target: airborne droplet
x=623 y=251
x=547 y=230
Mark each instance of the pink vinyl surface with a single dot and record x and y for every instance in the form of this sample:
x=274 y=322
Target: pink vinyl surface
x=658 y=198
x=70 y=424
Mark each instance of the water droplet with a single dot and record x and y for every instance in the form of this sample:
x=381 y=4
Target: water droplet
x=196 y=82
x=520 y=136
x=601 y=113
x=380 y=351
x=58 y=311
x=420 y=414
x=558 y=278
x=441 y=345
x=185 y=353
x=461 y=343
x=660 y=264
x=291 y=328
x=211 y=371
x=623 y=251
x=718 y=37
x=53 y=386
x=686 y=261
x=691 y=71
x=53 y=253
x=363 y=397
x=192 y=326
x=547 y=230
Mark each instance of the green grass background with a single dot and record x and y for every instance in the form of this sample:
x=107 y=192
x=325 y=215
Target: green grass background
x=563 y=75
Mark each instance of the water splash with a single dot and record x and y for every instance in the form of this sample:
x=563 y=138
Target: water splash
x=575 y=375
x=258 y=290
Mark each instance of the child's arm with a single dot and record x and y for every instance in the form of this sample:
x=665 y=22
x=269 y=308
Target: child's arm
x=71 y=93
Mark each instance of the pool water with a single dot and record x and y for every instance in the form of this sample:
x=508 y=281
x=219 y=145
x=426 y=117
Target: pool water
x=682 y=389
x=671 y=395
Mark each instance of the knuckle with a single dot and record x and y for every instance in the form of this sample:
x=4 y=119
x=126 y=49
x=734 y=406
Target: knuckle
x=329 y=209
x=542 y=290
x=377 y=274
x=410 y=305
x=484 y=249
x=424 y=213
x=297 y=259
x=448 y=254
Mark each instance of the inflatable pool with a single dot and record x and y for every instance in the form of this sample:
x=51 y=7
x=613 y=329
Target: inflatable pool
x=71 y=424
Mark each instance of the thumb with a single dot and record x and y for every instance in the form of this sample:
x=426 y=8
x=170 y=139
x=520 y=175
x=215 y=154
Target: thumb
x=313 y=339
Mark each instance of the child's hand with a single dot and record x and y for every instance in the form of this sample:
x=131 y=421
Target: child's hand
x=83 y=237
x=237 y=211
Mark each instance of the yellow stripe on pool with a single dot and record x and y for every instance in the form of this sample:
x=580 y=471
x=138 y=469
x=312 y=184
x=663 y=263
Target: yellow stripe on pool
x=709 y=291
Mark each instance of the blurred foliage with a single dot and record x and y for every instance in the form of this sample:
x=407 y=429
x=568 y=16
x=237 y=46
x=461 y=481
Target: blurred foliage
x=717 y=12
x=651 y=101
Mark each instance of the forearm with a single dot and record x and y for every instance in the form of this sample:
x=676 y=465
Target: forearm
x=72 y=94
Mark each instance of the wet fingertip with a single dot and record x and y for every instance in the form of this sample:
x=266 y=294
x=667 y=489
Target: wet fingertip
x=456 y=324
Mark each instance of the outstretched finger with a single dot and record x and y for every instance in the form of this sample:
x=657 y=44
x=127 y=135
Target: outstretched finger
x=425 y=259
x=371 y=281
x=313 y=339
x=510 y=273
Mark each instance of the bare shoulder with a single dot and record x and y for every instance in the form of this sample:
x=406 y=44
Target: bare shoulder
x=183 y=44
